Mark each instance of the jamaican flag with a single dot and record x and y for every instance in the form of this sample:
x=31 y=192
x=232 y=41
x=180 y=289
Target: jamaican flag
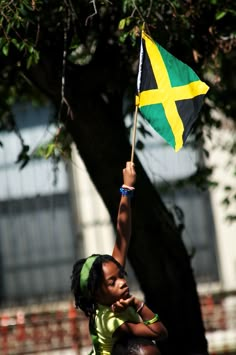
x=169 y=93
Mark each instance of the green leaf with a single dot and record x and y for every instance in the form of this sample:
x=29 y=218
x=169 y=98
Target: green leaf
x=16 y=44
x=5 y=49
x=226 y=201
x=24 y=162
x=35 y=55
x=50 y=150
x=128 y=21
x=9 y=27
x=139 y=145
x=231 y=218
x=228 y=188
x=29 y=62
x=22 y=46
x=220 y=15
x=121 y=24
x=123 y=37
x=30 y=49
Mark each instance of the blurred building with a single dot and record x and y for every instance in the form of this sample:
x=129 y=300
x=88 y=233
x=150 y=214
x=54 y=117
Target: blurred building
x=52 y=215
x=37 y=244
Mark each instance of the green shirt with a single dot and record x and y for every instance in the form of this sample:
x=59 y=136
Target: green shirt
x=106 y=322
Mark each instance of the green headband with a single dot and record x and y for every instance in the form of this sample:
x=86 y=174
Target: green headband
x=84 y=274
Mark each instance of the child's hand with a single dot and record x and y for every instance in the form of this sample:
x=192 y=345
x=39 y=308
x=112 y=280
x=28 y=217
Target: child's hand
x=121 y=305
x=129 y=174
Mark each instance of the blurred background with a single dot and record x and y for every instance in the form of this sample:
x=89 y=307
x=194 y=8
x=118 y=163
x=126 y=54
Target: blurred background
x=51 y=215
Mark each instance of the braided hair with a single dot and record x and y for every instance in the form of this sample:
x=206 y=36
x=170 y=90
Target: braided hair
x=88 y=302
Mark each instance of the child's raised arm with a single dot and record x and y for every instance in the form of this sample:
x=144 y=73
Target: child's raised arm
x=124 y=215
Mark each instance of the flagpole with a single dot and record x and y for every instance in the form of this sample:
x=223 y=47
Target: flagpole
x=134 y=132
x=137 y=99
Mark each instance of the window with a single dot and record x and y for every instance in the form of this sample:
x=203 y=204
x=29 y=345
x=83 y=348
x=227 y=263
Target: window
x=37 y=235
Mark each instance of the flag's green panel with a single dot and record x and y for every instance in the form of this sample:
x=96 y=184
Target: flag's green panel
x=155 y=115
x=179 y=73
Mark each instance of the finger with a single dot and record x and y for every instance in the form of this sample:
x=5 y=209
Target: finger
x=119 y=304
x=123 y=302
x=130 y=167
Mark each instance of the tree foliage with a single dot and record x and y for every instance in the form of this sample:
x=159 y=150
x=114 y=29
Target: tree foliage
x=202 y=34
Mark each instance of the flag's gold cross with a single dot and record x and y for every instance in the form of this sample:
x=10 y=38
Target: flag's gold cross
x=166 y=94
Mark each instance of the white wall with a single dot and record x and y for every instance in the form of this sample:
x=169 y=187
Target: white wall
x=225 y=232
x=91 y=214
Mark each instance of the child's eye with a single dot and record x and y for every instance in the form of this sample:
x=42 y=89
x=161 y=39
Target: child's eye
x=111 y=283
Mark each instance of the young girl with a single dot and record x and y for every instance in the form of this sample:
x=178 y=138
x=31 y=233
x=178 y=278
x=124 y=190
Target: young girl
x=100 y=288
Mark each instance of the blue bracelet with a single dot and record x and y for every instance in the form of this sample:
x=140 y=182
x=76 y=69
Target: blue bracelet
x=126 y=192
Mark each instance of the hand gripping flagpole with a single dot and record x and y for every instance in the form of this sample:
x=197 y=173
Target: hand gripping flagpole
x=137 y=101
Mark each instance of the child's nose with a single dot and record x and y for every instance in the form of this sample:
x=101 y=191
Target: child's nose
x=123 y=283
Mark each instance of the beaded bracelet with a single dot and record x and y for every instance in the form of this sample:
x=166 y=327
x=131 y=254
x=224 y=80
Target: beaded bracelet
x=151 y=321
x=126 y=192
